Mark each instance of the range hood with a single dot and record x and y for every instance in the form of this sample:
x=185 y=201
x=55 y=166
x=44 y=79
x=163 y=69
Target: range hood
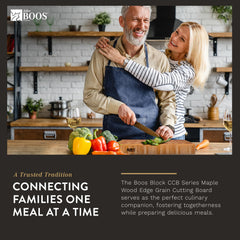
x=164 y=23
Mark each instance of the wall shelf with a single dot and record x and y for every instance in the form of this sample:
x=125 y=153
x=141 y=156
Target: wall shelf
x=35 y=71
x=50 y=35
x=220 y=34
x=215 y=35
x=223 y=69
x=74 y=34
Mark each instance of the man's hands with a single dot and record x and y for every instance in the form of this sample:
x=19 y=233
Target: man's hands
x=126 y=114
x=165 y=132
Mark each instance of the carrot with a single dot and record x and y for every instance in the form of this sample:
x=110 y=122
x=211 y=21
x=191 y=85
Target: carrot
x=104 y=153
x=202 y=144
x=119 y=152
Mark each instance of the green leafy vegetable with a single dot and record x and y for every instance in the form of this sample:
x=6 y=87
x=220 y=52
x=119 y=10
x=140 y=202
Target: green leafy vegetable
x=155 y=142
x=109 y=136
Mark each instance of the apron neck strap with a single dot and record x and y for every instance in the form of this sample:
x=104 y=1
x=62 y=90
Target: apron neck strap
x=146 y=54
x=145 y=49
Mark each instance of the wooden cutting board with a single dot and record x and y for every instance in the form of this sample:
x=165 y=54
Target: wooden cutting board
x=135 y=147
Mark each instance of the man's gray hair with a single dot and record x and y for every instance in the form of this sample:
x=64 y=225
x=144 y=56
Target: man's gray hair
x=125 y=9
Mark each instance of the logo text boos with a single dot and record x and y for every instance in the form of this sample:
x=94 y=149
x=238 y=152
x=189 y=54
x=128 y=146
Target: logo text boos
x=26 y=15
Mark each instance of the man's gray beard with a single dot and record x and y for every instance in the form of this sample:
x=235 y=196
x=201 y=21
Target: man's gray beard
x=132 y=40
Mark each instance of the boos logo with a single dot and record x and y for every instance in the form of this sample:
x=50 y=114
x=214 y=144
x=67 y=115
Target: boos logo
x=26 y=15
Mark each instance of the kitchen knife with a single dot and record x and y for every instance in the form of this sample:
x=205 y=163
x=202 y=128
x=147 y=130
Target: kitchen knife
x=145 y=129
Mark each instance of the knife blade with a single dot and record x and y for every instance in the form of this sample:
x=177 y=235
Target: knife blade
x=145 y=129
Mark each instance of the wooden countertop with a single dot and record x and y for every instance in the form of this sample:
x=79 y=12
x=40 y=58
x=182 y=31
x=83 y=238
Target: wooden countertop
x=59 y=147
x=37 y=147
x=206 y=124
x=48 y=122
x=97 y=122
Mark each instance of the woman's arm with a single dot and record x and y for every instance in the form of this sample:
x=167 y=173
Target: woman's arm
x=178 y=78
x=110 y=52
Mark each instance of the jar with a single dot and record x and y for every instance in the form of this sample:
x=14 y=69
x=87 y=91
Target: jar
x=213 y=113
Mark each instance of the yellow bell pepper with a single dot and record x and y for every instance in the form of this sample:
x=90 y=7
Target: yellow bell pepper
x=81 y=146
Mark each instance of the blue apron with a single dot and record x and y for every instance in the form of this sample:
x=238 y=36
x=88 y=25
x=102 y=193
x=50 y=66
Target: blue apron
x=121 y=85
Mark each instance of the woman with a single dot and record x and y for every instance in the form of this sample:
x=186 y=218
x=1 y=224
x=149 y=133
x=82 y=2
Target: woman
x=188 y=56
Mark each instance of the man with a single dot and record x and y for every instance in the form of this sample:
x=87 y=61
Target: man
x=111 y=91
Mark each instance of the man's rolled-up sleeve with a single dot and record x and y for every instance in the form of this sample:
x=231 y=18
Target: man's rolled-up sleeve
x=93 y=95
x=167 y=105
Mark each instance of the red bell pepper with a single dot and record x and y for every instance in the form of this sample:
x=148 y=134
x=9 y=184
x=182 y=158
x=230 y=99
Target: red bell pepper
x=98 y=143
x=113 y=146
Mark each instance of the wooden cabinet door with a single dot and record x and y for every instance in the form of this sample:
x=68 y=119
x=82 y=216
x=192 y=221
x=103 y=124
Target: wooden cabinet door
x=42 y=134
x=215 y=135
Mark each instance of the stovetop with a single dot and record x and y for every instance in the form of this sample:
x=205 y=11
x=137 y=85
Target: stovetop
x=190 y=119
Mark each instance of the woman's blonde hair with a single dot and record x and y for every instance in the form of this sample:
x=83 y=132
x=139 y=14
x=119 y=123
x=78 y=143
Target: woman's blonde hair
x=198 y=53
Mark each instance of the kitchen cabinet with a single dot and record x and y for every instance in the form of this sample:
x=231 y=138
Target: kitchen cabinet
x=42 y=134
x=207 y=129
x=47 y=129
x=216 y=135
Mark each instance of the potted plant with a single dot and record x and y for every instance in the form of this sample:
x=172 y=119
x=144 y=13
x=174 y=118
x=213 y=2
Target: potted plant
x=224 y=13
x=32 y=107
x=101 y=20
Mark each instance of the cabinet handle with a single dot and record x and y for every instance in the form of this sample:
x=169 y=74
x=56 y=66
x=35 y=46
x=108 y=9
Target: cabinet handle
x=50 y=135
x=227 y=136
